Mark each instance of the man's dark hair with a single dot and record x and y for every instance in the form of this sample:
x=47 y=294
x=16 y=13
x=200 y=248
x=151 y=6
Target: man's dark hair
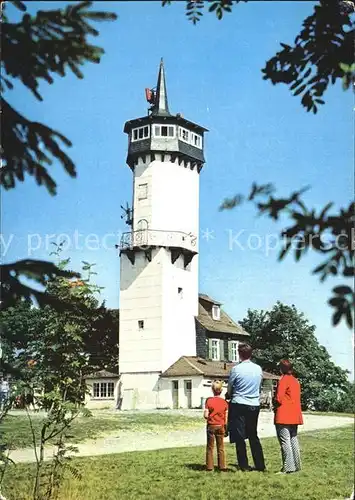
x=245 y=351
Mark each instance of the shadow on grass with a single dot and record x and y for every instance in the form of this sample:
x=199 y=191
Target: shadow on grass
x=198 y=467
x=201 y=467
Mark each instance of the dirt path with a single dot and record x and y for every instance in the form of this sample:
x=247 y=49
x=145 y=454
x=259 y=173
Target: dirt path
x=123 y=441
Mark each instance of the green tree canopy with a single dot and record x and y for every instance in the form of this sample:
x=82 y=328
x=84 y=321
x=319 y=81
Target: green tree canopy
x=38 y=343
x=285 y=333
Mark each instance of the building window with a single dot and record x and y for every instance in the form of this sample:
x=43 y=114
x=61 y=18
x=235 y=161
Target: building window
x=103 y=390
x=216 y=312
x=215 y=350
x=180 y=292
x=196 y=140
x=140 y=133
x=190 y=137
x=184 y=134
x=141 y=324
x=234 y=356
x=164 y=131
x=142 y=191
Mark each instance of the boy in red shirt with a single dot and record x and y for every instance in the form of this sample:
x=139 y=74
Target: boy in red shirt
x=216 y=414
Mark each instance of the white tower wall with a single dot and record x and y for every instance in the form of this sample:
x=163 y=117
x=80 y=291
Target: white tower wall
x=159 y=257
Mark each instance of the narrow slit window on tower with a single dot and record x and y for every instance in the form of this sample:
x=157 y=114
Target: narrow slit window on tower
x=141 y=324
x=142 y=191
x=180 y=292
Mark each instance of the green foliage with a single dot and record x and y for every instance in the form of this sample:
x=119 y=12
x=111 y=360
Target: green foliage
x=330 y=236
x=284 y=333
x=222 y=6
x=318 y=56
x=50 y=43
x=13 y=289
x=322 y=52
x=33 y=50
x=49 y=353
x=349 y=72
x=328 y=400
x=85 y=334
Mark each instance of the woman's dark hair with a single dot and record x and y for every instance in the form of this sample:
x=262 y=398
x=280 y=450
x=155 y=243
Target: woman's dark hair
x=286 y=367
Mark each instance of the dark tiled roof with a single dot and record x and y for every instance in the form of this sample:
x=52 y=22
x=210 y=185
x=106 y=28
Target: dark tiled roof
x=192 y=365
x=224 y=325
x=102 y=374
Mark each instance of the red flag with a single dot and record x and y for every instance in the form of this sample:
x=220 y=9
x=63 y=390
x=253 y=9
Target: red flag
x=149 y=95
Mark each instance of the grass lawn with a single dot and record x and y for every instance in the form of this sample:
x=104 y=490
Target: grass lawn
x=16 y=431
x=177 y=474
x=328 y=414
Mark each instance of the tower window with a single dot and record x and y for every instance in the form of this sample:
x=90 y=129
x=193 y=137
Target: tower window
x=164 y=131
x=180 y=293
x=141 y=324
x=184 y=134
x=140 y=133
x=190 y=137
x=196 y=140
x=142 y=191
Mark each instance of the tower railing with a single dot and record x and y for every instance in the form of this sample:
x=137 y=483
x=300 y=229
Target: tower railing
x=153 y=237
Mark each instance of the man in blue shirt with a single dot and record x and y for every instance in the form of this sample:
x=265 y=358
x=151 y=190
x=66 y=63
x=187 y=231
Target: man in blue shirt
x=244 y=393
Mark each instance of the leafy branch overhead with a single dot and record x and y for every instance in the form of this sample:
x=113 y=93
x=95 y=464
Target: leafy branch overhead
x=322 y=52
x=332 y=236
x=320 y=55
x=34 y=50
x=13 y=289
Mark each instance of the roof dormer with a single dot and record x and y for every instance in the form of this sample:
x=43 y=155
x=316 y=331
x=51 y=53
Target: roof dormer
x=216 y=312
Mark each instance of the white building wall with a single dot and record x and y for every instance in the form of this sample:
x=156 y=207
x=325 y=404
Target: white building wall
x=179 y=310
x=99 y=403
x=142 y=208
x=150 y=293
x=149 y=290
x=166 y=391
x=175 y=191
x=205 y=391
x=141 y=300
x=140 y=391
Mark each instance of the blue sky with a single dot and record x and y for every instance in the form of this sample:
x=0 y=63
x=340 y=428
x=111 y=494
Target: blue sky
x=257 y=132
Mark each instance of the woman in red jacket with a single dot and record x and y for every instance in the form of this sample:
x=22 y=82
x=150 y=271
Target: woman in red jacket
x=288 y=416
